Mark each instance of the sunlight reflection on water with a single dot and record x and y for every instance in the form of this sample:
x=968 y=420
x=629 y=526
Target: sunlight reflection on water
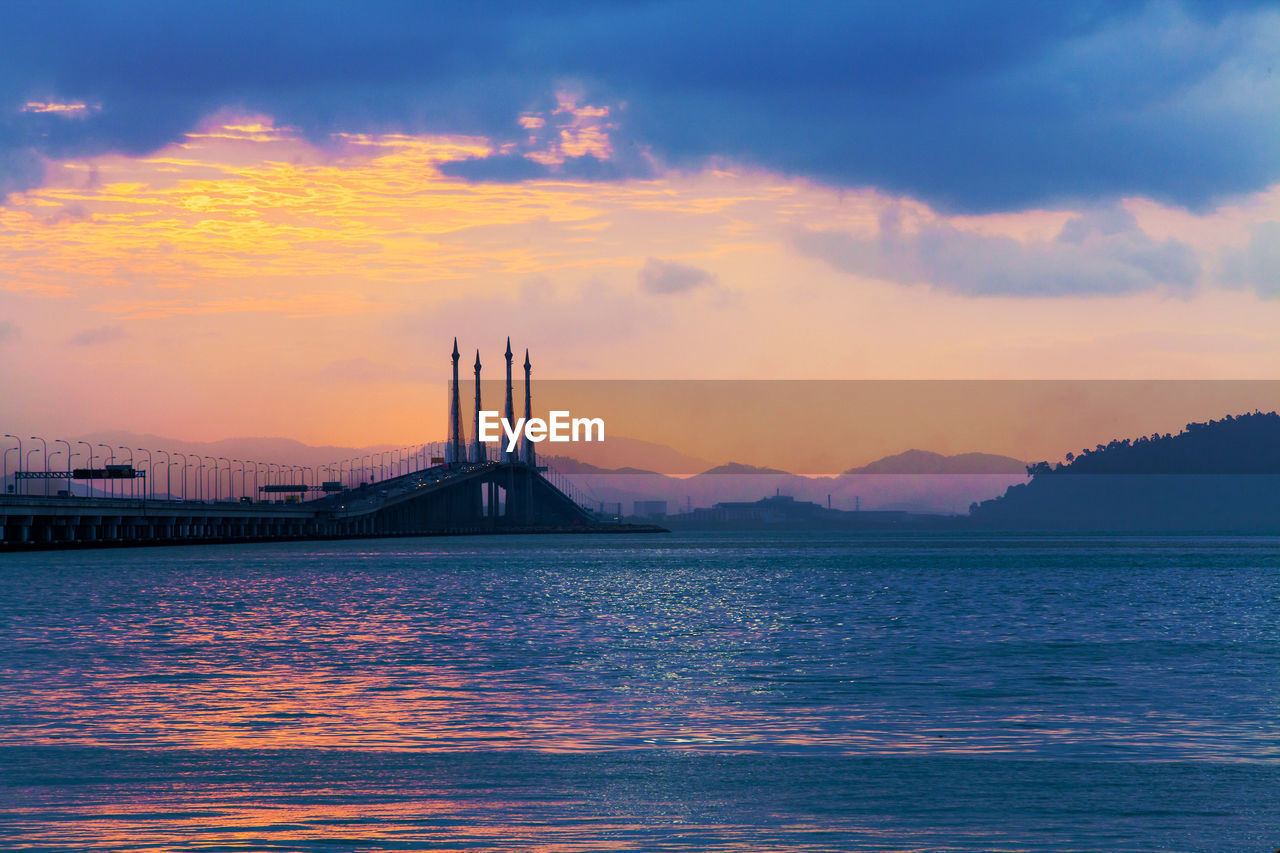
x=781 y=652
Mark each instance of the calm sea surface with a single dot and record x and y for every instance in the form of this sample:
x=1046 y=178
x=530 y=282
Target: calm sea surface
x=676 y=692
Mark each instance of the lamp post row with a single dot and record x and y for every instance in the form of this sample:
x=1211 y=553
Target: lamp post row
x=371 y=466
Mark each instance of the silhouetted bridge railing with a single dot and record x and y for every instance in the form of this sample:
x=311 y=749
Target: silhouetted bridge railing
x=488 y=497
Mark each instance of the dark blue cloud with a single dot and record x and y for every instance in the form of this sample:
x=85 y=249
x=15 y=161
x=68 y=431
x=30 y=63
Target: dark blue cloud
x=502 y=168
x=667 y=277
x=1098 y=252
x=970 y=106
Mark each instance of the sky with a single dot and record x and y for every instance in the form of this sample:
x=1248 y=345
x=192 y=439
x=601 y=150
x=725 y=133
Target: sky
x=226 y=220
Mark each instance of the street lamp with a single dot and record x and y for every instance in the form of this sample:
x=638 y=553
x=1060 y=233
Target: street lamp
x=184 y=473
x=88 y=490
x=168 y=479
x=7 y=451
x=45 y=456
x=69 y=454
x=199 y=476
x=218 y=474
x=113 y=461
x=148 y=487
x=132 y=481
x=46 y=468
x=211 y=489
x=16 y=490
x=214 y=464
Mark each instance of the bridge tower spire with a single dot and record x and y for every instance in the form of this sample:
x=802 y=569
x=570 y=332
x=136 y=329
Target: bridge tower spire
x=510 y=411
x=477 y=446
x=454 y=453
x=526 y=449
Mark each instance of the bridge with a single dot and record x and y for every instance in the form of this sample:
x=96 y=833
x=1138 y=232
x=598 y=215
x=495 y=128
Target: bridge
x=488 y=497
x=419 y=493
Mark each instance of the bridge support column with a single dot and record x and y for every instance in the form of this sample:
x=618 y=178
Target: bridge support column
x=18 y=528
x=528 y=497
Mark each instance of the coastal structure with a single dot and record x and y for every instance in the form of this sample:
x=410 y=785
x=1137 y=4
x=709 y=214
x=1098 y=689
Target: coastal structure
x=463 y=491
x=477 y=453
x=508 y=411
x=528 y=454
x=453 y=453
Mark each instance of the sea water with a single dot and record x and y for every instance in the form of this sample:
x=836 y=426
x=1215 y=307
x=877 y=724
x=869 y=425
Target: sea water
x=778 y=691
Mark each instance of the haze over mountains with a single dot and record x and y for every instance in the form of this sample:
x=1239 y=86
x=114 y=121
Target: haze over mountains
x=927 y=462
x=1211 y=459
x=896 y=484
x=624 y=470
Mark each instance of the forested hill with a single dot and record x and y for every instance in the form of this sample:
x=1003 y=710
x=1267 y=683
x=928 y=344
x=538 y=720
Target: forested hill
x=1228 y=481
x=1237 y=444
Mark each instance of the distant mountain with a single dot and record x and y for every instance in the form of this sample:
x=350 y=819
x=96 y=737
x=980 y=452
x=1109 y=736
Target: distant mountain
x=624 y=470
x=617 y=452
x=740 y=468
x=735 y=481
x=570 y=465
x=928 y=462
x=1218 y=476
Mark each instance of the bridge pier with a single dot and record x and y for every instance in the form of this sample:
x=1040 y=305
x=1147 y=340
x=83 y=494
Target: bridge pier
x=18 y=527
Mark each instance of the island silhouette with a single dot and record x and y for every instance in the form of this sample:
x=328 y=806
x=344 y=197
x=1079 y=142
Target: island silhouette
x=1220 y=476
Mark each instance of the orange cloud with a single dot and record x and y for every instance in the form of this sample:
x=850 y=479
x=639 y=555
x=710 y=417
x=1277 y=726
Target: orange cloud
x=243 y=258
x=68 y=109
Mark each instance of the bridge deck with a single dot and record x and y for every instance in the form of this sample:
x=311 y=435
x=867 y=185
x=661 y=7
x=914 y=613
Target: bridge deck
x=493 y=497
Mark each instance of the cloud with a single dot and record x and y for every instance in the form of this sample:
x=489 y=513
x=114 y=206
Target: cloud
x=975 y=106
x=668 y=277
x=1257 y=264
x=8 y=331
x=571 y=325
x=501 y=168
x=98 y=335
x=365 y=371
x=1101 y=252
x=70 y=110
